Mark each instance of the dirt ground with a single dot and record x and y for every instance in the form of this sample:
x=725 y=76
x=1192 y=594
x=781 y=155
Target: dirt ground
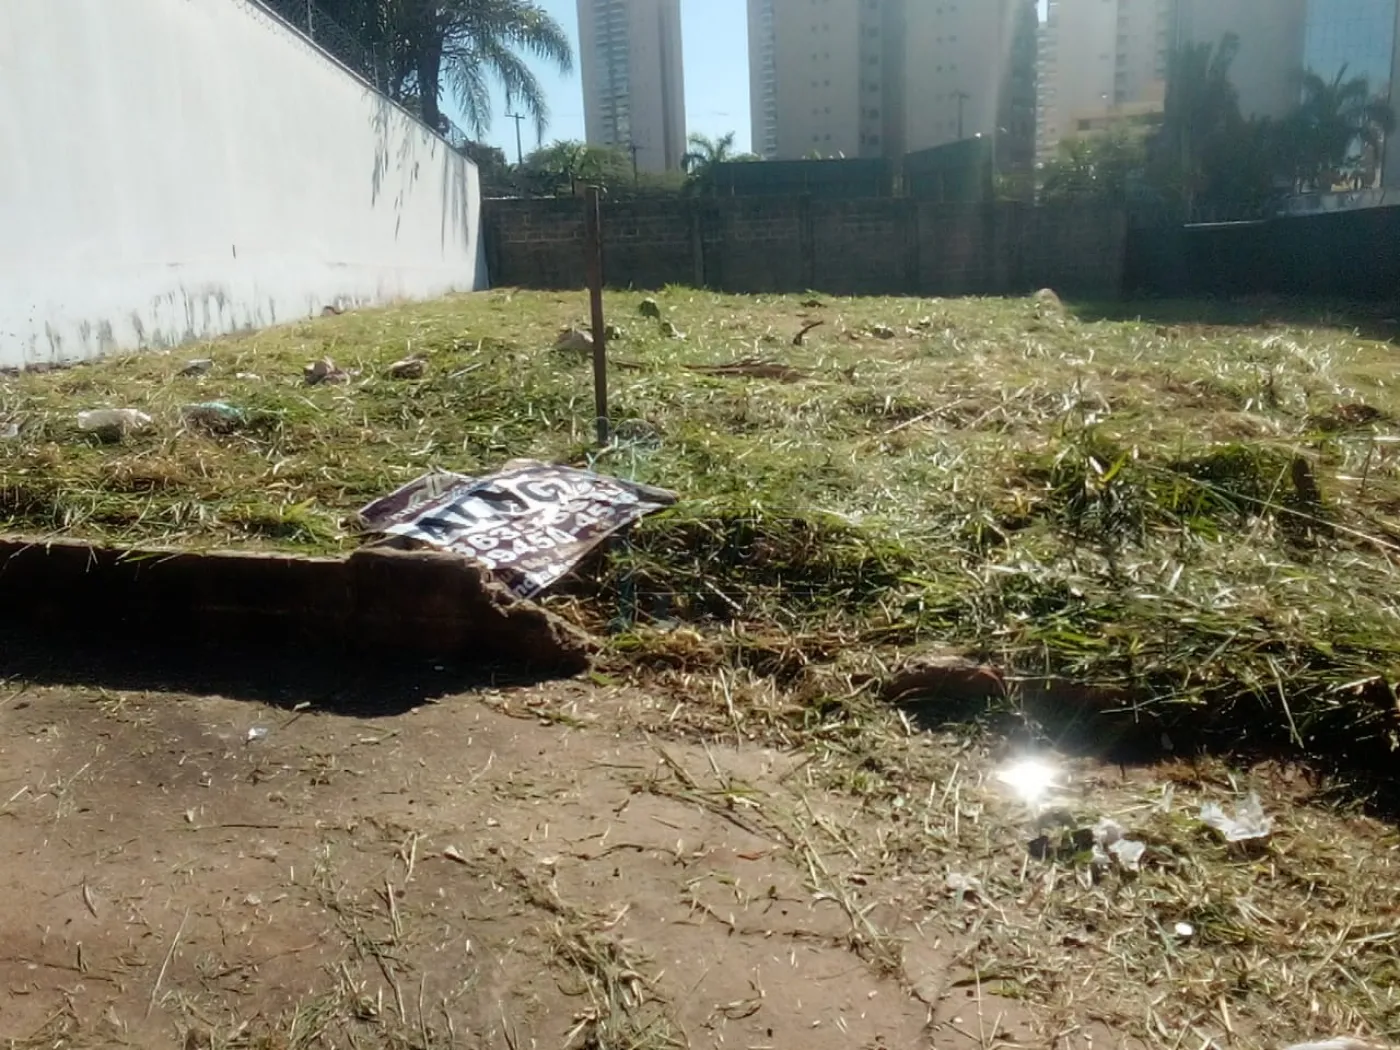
x=449 y=876
x=545 y=866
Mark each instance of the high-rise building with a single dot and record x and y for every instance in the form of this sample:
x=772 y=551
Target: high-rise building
x=1267 y=70
x=1106 y=60
x=1099 y=59
x=871 y=78
x=634 y=79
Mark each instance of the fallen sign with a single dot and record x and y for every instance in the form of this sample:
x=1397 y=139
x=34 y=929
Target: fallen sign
x=528 y=524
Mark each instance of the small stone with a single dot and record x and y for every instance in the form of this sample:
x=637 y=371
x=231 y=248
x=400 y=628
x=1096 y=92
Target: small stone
x=408 y=368
x=198 y=367
x=324 y=371
x=882 y=331
x=574 y=339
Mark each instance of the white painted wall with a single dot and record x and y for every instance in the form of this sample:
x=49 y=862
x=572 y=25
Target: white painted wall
x=178 y=169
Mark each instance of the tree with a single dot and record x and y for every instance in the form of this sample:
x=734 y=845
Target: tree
x=1337 y=131
x=1099 y=168
x=552 y=168
x=431 y=47
x=492 y=167
x=1201 y=112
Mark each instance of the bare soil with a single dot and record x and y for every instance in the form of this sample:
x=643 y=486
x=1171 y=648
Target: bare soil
x=294 y=859
x=463 y=874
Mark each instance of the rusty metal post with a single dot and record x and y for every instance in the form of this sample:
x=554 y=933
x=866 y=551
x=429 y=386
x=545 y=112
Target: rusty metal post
x=593 y=245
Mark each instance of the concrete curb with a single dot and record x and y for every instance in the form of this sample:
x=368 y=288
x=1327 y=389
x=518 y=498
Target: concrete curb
x=377 y=602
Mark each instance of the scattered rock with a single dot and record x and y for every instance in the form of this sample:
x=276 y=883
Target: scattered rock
x=944 y=676
x=882 y=331
x=324 y=371
x=574 y=339
x=670 y=331
x=649 y=308
x=198 y=367
x=812 y=304
x=113 y=424
x=1047 y=304
x=408 y=368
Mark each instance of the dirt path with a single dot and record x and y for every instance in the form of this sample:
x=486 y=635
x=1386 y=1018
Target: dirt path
x=702 y=863
x=452 y=876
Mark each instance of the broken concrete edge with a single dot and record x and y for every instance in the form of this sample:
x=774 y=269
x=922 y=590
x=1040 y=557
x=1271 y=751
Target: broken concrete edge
x=376 y=601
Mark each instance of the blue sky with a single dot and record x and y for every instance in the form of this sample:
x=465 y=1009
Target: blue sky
x=716 y=76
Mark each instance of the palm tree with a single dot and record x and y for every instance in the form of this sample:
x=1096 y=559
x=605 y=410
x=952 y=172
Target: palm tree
x=1202 y=108
x=1335 y=128
x=703 y=157
x=462 y=46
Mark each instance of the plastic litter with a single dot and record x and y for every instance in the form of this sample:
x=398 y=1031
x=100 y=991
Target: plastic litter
x=112 y=424
x=1184 y=930
x=1128 y=853
x=256 y=733
x=962 y=886
x=1248 y=823
x=217 y=417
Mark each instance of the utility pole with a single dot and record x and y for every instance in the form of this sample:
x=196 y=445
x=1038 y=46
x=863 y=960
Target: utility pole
x=519 y=152
x=961 y=96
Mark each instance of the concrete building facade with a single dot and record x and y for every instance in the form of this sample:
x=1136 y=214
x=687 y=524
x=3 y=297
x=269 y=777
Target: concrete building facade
x=634 y=79
x=1266 y=72
x=1103 y=60
x=1099 y=59
x=873 y=78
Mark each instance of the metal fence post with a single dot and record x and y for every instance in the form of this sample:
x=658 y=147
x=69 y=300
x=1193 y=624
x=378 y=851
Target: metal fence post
x=593 y=245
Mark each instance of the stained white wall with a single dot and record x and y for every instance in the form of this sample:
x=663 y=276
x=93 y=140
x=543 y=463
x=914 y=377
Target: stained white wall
x=177 y=169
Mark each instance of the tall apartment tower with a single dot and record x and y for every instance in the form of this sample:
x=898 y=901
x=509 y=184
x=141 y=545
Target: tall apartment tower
x=1106 y=60
x=634 y=79
x=871 y=78
x=1100 y=58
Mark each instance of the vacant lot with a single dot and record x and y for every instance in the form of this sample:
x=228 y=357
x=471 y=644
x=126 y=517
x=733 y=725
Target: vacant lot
x=1192 y=518
x=1173 y=536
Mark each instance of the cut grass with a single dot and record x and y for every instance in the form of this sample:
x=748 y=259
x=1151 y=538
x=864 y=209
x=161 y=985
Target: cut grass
x=1198 y=519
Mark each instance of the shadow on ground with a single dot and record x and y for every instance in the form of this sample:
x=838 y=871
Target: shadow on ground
x=367 y=687
x=1379 y=321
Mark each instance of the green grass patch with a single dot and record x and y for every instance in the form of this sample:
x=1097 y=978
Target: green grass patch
x=1200 y=507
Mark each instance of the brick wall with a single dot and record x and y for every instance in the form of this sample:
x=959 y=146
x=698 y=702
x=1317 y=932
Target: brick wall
x=789 y=244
